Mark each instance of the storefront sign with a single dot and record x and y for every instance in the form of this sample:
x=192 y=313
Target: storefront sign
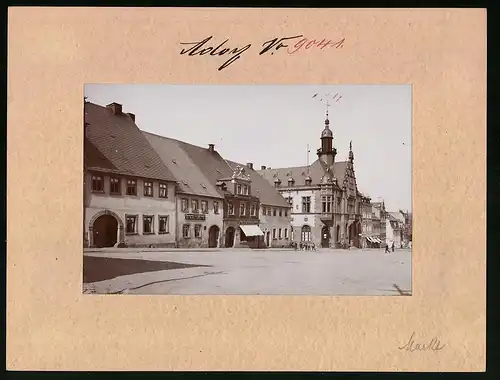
x=195 y=216
x=256 y=221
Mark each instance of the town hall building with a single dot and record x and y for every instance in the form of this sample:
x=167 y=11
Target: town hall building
x=324 y=197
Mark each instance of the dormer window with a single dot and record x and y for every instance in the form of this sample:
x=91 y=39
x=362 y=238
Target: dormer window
x=308 y=181
x=277 y=182
x=245 y=189
x=291 y=181
x=238 y=189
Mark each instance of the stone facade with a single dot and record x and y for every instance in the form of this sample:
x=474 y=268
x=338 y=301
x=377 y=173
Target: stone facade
x=275 y=222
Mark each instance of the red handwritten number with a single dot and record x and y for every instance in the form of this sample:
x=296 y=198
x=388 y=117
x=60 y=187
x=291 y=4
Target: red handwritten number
x=307 y=44
x=313 y=42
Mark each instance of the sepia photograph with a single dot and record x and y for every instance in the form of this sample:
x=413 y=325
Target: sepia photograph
x=247 y=189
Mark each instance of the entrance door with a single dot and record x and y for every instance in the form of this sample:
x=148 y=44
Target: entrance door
x=268 y=238
x=213 y=236
x=229 y=237
x=325 y=237
x=105 y=231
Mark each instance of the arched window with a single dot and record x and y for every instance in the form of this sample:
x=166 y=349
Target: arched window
x=305 y=233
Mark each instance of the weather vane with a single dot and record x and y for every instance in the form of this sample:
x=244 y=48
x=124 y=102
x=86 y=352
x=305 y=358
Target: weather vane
x=327 y=98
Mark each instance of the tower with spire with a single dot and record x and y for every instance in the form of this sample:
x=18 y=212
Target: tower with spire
x=327 y=152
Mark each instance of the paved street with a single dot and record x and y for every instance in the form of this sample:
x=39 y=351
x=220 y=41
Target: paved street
x=266 y=272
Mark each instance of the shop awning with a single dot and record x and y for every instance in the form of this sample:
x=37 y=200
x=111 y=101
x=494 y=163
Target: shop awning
x=378 y=240
x=251 y=230
x=369 y=239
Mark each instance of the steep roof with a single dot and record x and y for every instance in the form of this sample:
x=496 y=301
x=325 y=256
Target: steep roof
x=396 y=216
x=190 y=178
x=267 y=193
x=115 y=144
x=299 y=173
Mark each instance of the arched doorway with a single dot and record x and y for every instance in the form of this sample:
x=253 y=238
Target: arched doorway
x=105 y=231
x=268 y=238
x=213 y=237
x=325 y=237
x=229 y=241
x=305 y=233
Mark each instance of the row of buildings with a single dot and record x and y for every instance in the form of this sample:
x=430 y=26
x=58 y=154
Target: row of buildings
x=145 y=190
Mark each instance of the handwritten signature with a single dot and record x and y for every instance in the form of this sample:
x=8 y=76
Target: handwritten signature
x=275 y=44
x=433 y=345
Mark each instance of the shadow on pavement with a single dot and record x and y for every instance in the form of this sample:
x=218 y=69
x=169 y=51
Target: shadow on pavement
x=104 y=268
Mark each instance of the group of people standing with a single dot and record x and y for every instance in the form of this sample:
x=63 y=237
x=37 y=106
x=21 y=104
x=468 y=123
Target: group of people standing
x=387 y=248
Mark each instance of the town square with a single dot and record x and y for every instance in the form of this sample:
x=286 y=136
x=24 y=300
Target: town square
x=192 y=219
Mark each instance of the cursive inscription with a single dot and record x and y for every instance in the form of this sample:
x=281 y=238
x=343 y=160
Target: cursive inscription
x=214 y=51
x=411 y=345
x=275 y=42
x=209 y=48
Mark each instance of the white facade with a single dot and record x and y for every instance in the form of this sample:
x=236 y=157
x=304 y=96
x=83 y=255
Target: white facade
x=194 y=225
x=122 y=206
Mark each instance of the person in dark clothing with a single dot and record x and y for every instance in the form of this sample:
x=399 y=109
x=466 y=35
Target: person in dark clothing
x=392 y=246
x=387 y=249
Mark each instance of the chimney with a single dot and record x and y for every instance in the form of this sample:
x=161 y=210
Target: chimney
x=132 y=116
x=263 y=167
x=115 y=108
x=249 y=165
x=211 y=148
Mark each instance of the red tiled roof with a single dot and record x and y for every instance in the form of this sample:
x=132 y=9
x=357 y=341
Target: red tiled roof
x=116 y=144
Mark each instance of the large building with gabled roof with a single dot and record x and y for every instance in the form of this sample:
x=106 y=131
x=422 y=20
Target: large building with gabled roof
x=129 y=194
x=324 y=196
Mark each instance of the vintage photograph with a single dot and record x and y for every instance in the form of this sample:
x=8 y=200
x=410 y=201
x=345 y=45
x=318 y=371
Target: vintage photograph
x=247 y=189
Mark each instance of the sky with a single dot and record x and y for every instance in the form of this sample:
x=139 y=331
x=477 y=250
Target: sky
x=272 y=125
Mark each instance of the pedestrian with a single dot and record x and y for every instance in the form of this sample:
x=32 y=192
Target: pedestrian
x=387 y=249
x=392 y=246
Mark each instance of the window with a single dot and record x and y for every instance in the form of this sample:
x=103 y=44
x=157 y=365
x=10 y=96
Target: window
x=131 y=187
x=184 y=205
x=245 y=189
x=281 y=212
x=97 y=183
x=230 y=208
x=163 y=225
x=147 y=225
x=163 y=190
x=185 y=231
x=274 y=212
x=274 y=233
x=131 y=224
x=197 y=230
x=279 y=233
x=204 y=207
x=194 y=205
x=286 y=233
x=306 y=204
x=327 y=203
x=239 y=189
x=114 y=186
x=305 y=234
x=243 y=207
x=253 y=209
x=216 y=207
x=269 y=211
x=286 y=212
x=148 y=189
x=263 y=211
